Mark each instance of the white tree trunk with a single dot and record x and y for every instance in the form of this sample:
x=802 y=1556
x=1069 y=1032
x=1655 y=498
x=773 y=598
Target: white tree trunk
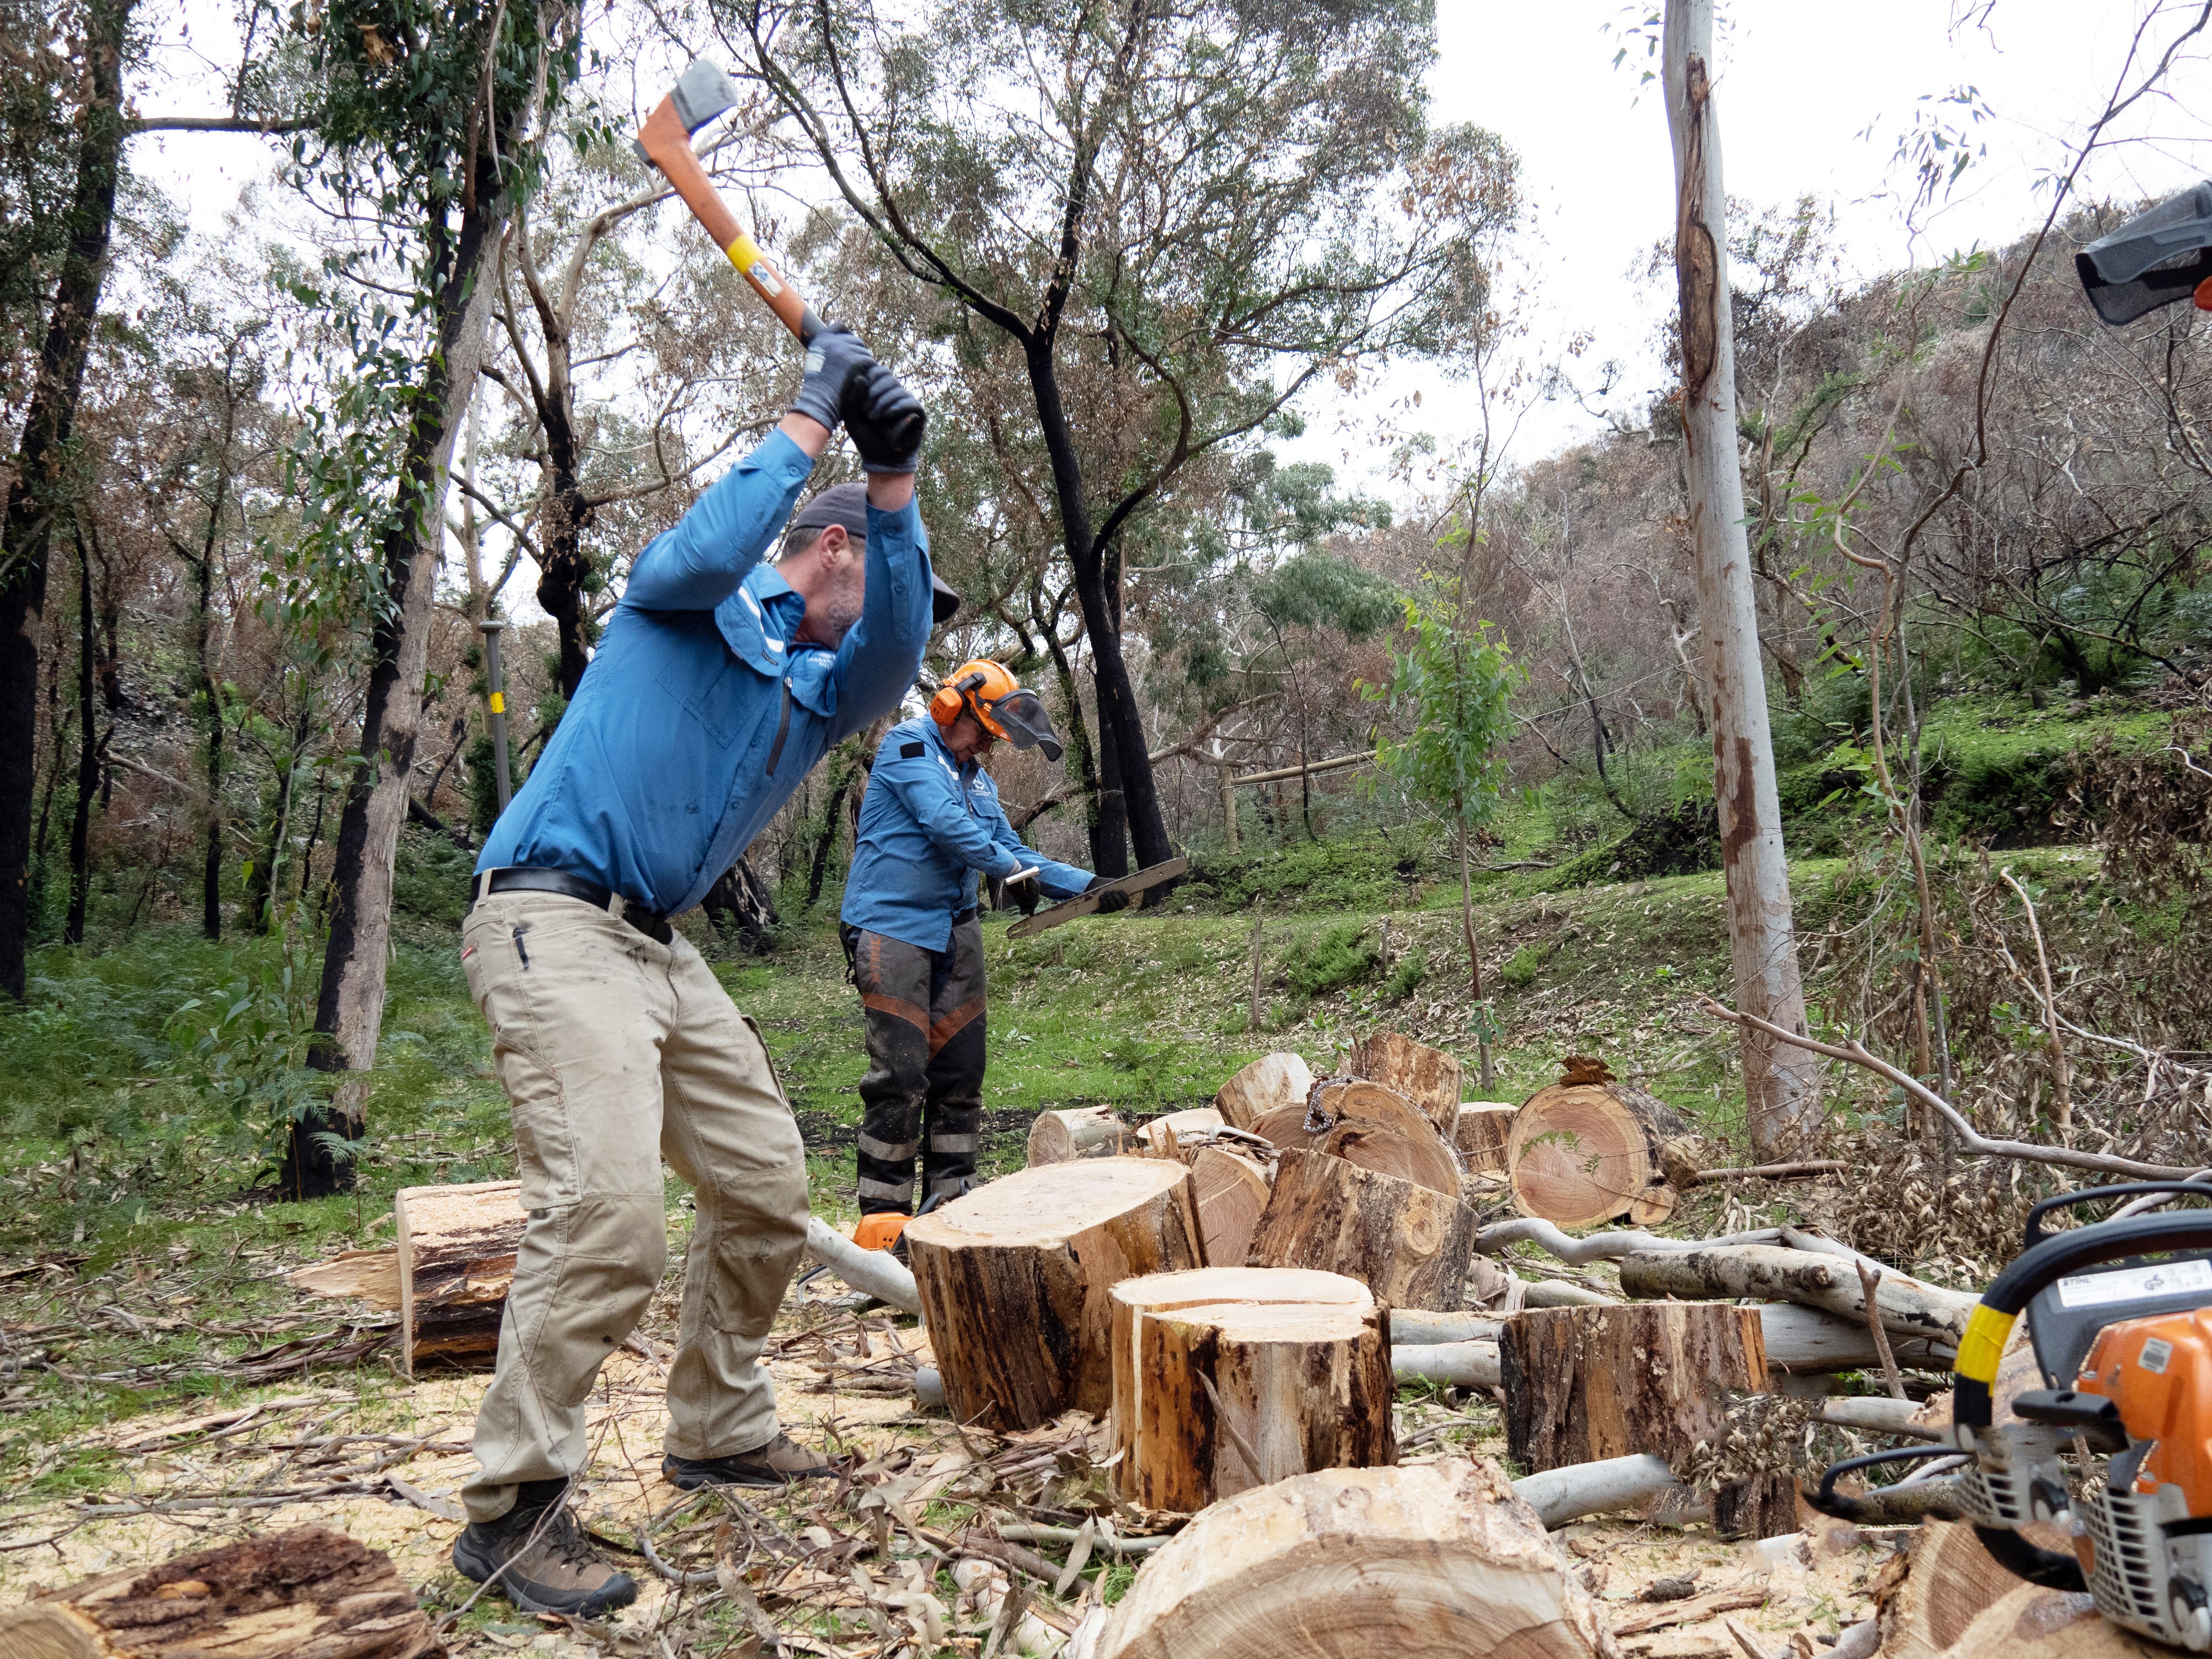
x=1781 y=1084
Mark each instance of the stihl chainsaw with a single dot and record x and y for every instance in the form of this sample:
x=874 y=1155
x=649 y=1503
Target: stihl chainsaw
x=2127 y=1351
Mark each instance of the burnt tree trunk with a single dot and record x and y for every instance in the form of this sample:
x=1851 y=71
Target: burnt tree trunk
x=350 y=1012
x=40 y=491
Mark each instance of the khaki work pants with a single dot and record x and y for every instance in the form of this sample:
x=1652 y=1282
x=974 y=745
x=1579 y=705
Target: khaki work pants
x=617 y=1052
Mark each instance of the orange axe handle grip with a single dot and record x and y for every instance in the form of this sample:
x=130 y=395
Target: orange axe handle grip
x=669 y=146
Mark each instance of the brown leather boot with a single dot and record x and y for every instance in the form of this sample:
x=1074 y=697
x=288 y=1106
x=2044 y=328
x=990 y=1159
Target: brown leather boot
x=781 y=1460
x=537 y=1558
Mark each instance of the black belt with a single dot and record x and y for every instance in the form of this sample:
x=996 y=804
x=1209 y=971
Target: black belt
x=523 y=878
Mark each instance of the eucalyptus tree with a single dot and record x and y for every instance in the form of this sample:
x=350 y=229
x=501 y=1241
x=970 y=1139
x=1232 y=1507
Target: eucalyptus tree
x=429 y=134
x=1172 y=217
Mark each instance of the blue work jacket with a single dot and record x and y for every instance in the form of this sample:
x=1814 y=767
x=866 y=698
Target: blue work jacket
x=927 y=824
x=701 y=714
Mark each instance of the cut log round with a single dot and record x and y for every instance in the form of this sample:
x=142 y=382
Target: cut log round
x=2028 y=1623
x=1153 y=1132
x=1232 y=1395
x=1230 y=1192
x=311 y=1593
x=457 y=1248
x=1583 y=1150
x=1057 y=1136
x=1436 y=1560
x=1481 y=1133
x=1408 y=1244
x=1013 y=1277
x=1654 y=1204
x=1428 y=1077
x=1135 y=1300
x=1268 y=1083
x=1584 y=1383
x=1950 y=1581
x=1374 y=1127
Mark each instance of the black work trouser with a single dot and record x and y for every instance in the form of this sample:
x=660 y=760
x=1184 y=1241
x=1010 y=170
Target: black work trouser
x=923 y=1090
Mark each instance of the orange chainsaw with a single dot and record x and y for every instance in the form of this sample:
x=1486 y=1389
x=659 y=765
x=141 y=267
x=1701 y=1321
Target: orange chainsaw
x=2127 y=1351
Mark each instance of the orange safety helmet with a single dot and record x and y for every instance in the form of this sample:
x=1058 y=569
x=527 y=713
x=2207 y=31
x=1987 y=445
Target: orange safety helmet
x=1000 y=705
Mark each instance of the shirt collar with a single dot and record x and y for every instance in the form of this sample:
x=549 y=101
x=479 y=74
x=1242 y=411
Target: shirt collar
x=760 y=620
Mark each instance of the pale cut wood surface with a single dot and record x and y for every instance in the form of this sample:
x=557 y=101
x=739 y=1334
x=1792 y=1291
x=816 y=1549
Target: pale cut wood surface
x=1056 y=1136
x=371 y=1275
x=1154 y=1132
x=1239 y=1394
x=1581 y=1153
x=1013 y=1279
x=1585 y=1383
x=1406 y=1243
x=457 y=1250
x=1268 y=1085
x=1481 y=1133
x=1950 y=1581
x=1436 y=1560
x=1428 y=1077
x=2029 y=1623
x=1134 y=1300
x=1376 y=1127
x=1230 y=1191
x=310 y=1594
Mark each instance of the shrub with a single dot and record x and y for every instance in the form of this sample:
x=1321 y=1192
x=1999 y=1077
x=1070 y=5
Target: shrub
x=1342 y=955
x=1405 y=978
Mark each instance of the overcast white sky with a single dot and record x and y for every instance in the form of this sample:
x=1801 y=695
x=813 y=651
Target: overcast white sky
x=1810 y=97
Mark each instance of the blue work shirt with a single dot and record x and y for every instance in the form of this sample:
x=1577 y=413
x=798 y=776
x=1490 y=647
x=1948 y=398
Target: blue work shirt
x=927 y=824
x=702 y=712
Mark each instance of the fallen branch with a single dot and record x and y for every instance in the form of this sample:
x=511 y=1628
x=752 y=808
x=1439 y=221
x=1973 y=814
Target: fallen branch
x=1808 y=1167
x=1971 y=1141
x=1870 y=1286
x=1560 y=1496
x=878 y=1274
x=1447 y=1365
x=1768 y=1274
x=1599 y=1247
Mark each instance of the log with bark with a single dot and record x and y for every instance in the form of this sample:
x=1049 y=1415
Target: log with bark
x=1154 y=1133
x=1057 y=1136
x=1481 y=1133
x=457 y=1249
x=1584 y=1150
x=1447 y=1365
x=1231 y=1395
x=1909 y=1309
x=1407 y=1244
x=1428 y=1077
x=311 y=1593
x=1013 y=1279
x=1374 y=1127
x=1269 y=1083
x=1584 y=1383
x=1437 y=1560
x=1230 y=1191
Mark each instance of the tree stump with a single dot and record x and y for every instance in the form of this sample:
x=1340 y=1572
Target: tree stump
x=1481 y=1133
x=1270 y=1082
x=1428 y=1077
x=1013 y=1277
x=1230 y=1191
x=1432 y=1561
x=1057 y=1136
x=1950 y=1581
x=457 y=1247
x=1583 y=1150
x=311 y=1593
x=1153 y=1132
x=1585 y=1383
x=1135 y=1300
x=1376 y=1127
x=1407 y=1244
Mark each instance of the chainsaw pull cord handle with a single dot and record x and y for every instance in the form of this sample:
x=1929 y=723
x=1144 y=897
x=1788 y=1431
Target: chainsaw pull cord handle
x=1990 y=1325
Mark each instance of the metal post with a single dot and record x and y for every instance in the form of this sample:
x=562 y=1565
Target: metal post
x=495 y=684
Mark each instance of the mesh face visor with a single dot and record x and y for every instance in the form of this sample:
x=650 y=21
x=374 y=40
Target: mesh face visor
x=1021 y=715
x=2158 y=257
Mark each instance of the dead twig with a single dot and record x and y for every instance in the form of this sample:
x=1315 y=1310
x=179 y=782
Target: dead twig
x=2062 y=1112
x=1869 y=1279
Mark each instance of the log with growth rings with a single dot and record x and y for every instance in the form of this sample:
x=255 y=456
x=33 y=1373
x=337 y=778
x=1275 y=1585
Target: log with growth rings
x=1406 y=1243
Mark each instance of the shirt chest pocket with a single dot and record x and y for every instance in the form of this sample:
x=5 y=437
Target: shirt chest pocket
x=711 y=688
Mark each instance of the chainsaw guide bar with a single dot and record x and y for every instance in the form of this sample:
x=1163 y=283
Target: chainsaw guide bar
x=1084 y=904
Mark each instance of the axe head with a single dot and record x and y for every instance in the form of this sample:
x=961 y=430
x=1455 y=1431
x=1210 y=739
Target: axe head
x=702 y=93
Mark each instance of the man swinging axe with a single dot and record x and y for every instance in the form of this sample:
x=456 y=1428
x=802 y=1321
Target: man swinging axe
x=930 y=820
x=718 y=682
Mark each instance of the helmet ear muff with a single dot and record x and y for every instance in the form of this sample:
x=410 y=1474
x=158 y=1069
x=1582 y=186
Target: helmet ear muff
x=944 y=707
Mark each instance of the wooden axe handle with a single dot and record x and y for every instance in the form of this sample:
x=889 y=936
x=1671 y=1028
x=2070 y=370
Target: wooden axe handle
x=668 y=146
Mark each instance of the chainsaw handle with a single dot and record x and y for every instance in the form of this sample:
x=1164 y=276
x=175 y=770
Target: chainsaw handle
x=2031 y=1270
x=2033 y=1233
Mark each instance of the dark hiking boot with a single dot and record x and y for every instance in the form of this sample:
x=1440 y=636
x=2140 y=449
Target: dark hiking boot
x=781 y=1460
x=537 y=1558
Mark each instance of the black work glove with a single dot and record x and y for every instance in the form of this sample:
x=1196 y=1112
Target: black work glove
x=1108 y=902
x=835 y=359
x=1023 y=893
x=884 y=420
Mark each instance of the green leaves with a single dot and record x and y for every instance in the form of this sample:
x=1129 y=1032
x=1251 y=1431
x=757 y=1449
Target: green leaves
x=1453 y=686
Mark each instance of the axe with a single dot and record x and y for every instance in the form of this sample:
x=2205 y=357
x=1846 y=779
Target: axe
x=665 y=141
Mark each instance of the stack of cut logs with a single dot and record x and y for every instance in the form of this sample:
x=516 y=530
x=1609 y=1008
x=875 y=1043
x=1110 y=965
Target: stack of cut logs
x=1240 y=1288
